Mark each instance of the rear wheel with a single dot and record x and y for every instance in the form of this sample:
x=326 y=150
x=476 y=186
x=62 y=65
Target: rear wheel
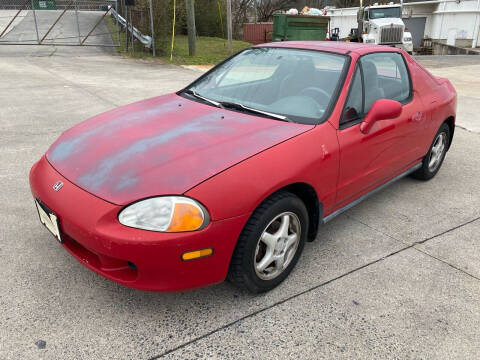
x=433 y=160
x=270 y=244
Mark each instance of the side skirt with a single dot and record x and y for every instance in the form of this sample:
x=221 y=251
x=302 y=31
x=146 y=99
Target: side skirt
x=367 y=195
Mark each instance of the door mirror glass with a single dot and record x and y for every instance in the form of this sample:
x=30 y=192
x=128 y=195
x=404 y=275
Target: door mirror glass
x=382 y=109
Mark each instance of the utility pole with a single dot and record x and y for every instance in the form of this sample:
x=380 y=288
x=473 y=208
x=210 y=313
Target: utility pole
x=131 y=33
x=229 y=25
x=192 y=33
x=126 y=24
x=127 y=4
x=126 y=27
x=152 y=29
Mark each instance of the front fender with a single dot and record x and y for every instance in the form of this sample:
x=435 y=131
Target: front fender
x=311 y=158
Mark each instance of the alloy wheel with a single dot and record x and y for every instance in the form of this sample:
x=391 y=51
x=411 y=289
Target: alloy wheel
x=437 y=151
x=277 y=246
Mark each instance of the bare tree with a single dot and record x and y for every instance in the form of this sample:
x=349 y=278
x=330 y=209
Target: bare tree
x=240 y=9
x=266 y=8
x=347 y=3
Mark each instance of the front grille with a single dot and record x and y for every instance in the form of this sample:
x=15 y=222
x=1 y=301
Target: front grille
x=391 y=34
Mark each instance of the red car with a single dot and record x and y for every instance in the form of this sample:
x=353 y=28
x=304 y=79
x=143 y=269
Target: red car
x=229 y=177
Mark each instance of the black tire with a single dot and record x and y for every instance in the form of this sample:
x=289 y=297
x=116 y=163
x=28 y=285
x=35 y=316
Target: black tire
x=426 y=172
x=242 y=272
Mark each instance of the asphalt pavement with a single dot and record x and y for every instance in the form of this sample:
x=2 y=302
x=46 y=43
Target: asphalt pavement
x=397 y=276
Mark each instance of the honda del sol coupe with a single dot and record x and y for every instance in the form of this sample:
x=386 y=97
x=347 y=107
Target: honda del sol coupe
x=229 y=177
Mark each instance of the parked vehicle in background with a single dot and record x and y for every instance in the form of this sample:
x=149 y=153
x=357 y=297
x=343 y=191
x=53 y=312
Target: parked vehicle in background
x=382 y=24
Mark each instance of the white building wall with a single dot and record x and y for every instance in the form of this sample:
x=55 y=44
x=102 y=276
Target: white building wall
x=461 y=16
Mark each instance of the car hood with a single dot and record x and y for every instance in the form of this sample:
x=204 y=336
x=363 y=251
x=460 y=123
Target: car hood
x=163 y=145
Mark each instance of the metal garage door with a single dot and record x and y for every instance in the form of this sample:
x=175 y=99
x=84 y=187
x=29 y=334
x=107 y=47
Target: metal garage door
x=416 y=25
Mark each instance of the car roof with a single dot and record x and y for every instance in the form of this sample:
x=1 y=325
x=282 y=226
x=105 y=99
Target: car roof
x=339 y=47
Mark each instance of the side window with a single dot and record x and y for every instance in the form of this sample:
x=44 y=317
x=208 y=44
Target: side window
x=354 y=106
x=385 y=77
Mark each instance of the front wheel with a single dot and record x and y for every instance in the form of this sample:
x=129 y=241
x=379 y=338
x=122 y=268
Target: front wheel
x=270 y=244
x=433 y=160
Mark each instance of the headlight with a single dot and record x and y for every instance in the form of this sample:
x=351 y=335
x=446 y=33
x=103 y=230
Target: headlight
x=407 y=39
x=369 y=41
x=166 y=214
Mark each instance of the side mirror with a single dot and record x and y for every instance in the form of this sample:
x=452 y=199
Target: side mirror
x=381 y=109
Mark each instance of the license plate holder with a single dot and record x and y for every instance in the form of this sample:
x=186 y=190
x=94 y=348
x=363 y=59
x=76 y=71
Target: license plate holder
x=49 y=219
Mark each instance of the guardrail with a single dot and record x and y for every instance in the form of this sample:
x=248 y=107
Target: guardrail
x=144 y=39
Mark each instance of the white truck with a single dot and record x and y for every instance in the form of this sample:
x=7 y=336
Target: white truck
x=382 y=24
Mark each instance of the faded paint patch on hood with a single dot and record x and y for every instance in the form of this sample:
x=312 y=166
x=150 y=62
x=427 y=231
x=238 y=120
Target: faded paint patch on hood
x=163 y=145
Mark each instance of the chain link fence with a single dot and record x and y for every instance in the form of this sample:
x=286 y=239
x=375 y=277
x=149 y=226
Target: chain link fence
x=56 y=22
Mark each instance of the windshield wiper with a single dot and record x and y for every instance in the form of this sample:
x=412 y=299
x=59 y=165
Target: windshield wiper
x=193 y=93
x=232 y=105
x=237 y=106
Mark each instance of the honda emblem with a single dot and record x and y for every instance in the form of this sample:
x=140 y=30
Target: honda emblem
x=58 y=185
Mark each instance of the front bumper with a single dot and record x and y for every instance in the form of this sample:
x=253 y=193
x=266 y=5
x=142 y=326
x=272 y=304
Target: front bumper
x=136 y=258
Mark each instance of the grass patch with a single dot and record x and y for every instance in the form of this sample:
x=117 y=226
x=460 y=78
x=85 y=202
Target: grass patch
x=210 y=50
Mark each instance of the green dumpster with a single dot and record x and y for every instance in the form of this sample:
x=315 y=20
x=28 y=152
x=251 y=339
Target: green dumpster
x=299 y=27
x=44 y=5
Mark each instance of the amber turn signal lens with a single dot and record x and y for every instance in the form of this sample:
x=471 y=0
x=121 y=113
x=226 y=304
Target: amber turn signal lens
x=191 y=255
x=186 y=217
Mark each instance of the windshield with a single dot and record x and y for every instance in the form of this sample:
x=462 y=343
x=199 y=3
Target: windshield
x=285 y=83
x=393 y=12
